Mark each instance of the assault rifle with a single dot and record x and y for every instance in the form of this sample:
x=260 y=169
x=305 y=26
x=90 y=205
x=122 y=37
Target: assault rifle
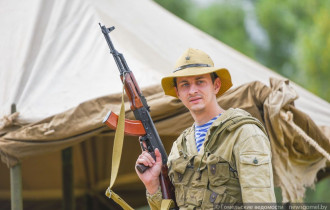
x=143 y=125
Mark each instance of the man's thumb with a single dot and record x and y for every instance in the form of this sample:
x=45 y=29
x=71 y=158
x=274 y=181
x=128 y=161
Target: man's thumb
x=158 y=156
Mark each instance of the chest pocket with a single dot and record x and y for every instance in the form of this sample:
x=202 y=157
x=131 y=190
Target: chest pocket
x=218 y=171
x=181 y=172
x=255 y=171
x=223 y=183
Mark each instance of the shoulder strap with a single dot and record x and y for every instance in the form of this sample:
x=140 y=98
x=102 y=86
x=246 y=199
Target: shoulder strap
x=181 y=144
x=116 y=156
x=241 y=120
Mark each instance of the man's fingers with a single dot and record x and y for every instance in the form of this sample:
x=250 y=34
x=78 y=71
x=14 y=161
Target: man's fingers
x=142 y=160
x=148 y=155
x=158 y=156
x=145 y=159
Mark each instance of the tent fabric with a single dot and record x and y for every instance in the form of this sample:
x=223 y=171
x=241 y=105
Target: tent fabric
x=54 y=56
x=292 y=154
x=84 y=122
x=73 y=126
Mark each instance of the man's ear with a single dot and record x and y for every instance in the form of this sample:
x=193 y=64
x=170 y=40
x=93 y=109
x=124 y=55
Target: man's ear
x=217 y=85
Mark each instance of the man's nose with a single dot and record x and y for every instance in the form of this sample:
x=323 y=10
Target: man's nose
x=193 y=89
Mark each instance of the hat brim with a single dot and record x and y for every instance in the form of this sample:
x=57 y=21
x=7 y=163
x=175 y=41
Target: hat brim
x=223 y=74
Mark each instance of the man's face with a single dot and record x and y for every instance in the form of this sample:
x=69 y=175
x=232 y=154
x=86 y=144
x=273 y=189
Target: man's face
x=197 y=93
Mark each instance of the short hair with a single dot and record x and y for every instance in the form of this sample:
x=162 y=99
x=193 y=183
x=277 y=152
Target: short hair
x=213 y=77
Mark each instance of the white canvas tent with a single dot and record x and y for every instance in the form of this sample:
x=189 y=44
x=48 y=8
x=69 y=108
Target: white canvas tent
x=54 y=58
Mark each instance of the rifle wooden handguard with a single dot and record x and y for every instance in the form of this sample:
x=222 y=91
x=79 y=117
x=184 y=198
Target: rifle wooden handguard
x=132 y=127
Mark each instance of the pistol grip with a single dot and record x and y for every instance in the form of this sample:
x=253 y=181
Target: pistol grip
x=142 y=168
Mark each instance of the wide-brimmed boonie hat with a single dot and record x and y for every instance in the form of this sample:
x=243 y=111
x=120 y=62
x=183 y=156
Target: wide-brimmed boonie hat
x=195 y=62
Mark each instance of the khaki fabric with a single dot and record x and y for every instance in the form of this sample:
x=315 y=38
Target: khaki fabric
x=233 y=165
x=296 y=162
x=38 y=146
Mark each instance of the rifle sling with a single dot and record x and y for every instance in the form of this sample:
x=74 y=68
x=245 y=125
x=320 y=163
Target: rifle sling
x=116 y=155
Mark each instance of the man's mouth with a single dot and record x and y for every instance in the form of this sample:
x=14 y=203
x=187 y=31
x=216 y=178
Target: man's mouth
x=194 y=99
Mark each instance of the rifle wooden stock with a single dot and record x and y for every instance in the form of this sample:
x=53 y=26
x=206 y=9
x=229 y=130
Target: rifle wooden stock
x=166 y=184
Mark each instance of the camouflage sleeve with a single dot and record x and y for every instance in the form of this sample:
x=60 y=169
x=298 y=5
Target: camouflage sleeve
x=155 y=200
x=253 y=160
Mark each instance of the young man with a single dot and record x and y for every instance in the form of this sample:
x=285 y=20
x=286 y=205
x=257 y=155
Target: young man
x=224 y=157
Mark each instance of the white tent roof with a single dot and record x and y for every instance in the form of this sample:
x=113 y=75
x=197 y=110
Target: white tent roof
x=54 y=56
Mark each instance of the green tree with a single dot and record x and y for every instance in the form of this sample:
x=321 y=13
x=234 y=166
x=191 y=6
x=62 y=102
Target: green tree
x=280 y=20
x=298 y=31
x=225 y=21
x=313 y=54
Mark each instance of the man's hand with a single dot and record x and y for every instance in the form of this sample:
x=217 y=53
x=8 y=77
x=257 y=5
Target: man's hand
x=150 y=177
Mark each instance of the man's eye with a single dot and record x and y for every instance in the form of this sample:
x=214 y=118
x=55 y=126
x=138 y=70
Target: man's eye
x=184 y=85
x=200 y=81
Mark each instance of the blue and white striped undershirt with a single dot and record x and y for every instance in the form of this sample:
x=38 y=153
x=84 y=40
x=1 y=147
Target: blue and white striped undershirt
x=200 y=132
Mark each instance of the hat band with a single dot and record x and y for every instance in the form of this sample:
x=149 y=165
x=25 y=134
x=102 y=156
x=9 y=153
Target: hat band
x=191 y=65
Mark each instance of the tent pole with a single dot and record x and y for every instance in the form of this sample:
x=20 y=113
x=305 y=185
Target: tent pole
x=16 y=187
x=68 y=202
x=16 y=181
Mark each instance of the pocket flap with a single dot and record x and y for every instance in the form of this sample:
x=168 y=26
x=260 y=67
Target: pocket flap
x=254 y=159
x=180 y=164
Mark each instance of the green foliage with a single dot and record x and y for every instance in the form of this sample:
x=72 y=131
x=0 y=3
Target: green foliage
x=320 y=193
x=298 y=31
x=313 y=54
x=225 y=22
x=279 y=23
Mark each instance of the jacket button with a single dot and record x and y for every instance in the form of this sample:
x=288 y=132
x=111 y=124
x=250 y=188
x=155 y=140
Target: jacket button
x=255 y=161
